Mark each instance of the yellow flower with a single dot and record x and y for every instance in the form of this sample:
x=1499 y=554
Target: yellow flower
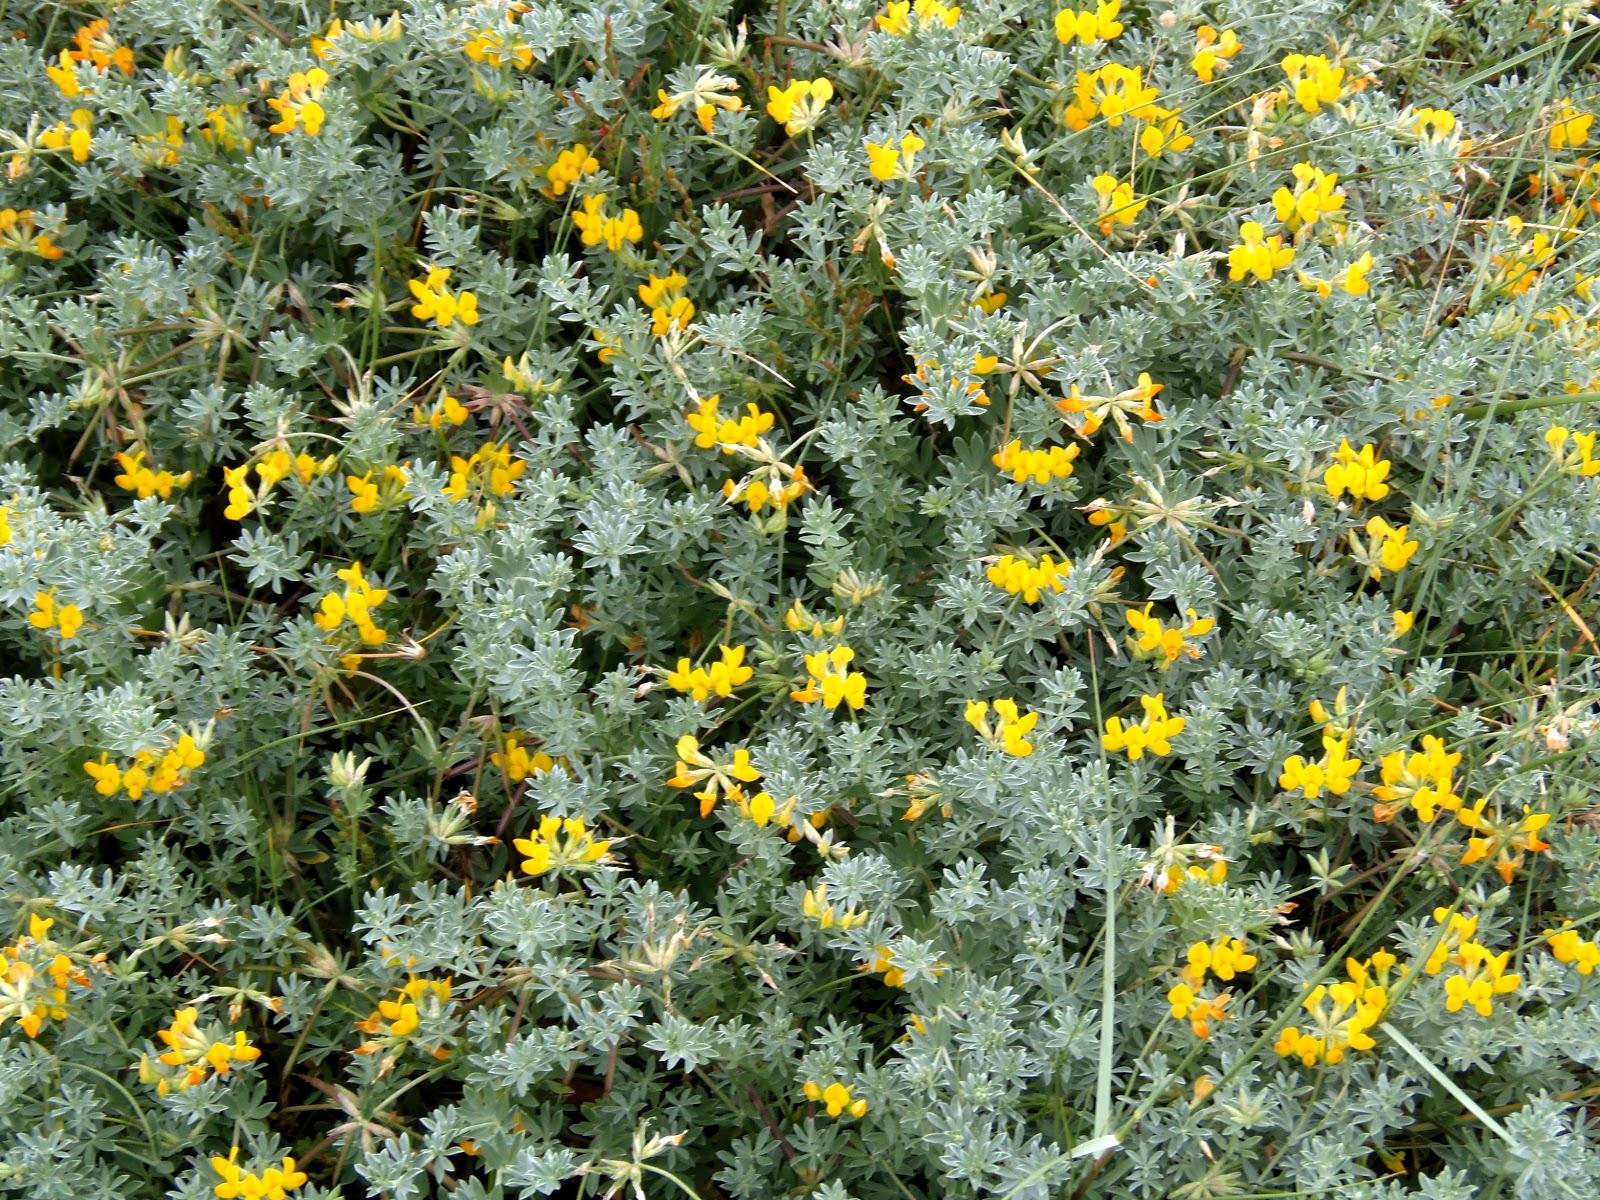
x=814 y=904
x=830 y=680
x=238 y=1184
x=395 y=1020
x=1480 y=976
x=1188 y=998
x=299 y=104
x=707 y=97
x=225 y=127
x=518 y=762
x=1151 y=735
x=1507 y=843
x=1257 y=254
x=1313 y=80
x=1361 y=475
x=714 y=432
x=143 y=482
x=1118 y=205
x=1089 y=26
x=1041 y=466
x=369 y=495
x=1165 y=133
x=490 y=472
x=447 y=411
x=1138 y=401
x=1570 y=128
x=1342 y=1013
x=720 y=679
x=596 y=226
x=1212 y=50
x=1390 y=549
x=798 y=619
x=1009 y=732
x=78 y=138
x=1334 y=771
x=1433 y=124
x=159 y=771
x=1114 y=92
x=669 y=309
x=798 y=106
x=65 y=619
x=1580 y=460
x=355 y=604
x=713 y=779
x=1029 y=580
x=1424 y=779
x=837 y=1098
x=195 y=1054
x=895 y=19
x=494 y=48
x=1403 y=622
x=1313 y=198
x=1570 y=948
x=1152 y=637
x=570 y=166
x=558 y=843
x=886 y=161
x=35 y=973
x=437 y=303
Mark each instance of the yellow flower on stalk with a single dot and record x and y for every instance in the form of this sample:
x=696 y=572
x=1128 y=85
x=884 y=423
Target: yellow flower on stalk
x=299 y=105
x=225 y=128
x=490 y=472
x=712 y=432
x=1570 y=948
x=35 y=973
x=1571 y=126
x=719 y=679
x=1360 y=474
x=370 y=495
x=437 y=303
x=496 y=48
x=1040 y=466
x=895 y=19
x=836 y=1098
x=447 y=411
x=1137 y=401
x=1433 y=124
x=1507 y=843
x=1151 y=637
x=239 y=1184
x=1164 y=134
x=596 y=226
x=830 y=680
x=195 y=1053
x=772 y=481
x=798 y=619
x=799 y=104
x=1313 y=197
x=1423 y=779
x=1089 y=26
x=1256 y=254
x=19 y=232
x=395 y=1020
x=159 y=771
x=1403 y=621
x=712 y=779
x=560 y=843
x=1113 y=92
x=1117 y=203
x=1226 y=958
x=1212 y=50
x=1342 y=1013
x=887 y=161
x=355 y=604
x=1481 y=974
x=1313 y=80
x=709 y=96
x=1010 y=729
x=1029 y=580
x=78 y=137
x=1391 y=547
x=519 y=762
x=65 y=619
x=814 y=904
x=669 y=308
x=143 y=482
x=571 y=165
x=1334 y=772
x=1579 y=460
x=1152 y=735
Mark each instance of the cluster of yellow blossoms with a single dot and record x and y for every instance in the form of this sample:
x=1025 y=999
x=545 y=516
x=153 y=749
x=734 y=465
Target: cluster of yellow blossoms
x=1579 y=460
x=1089 y=26
x=299 y=105
x=1116 y=203
x=1189 y=998
x=447 y=410
x=238 y=1184
x=47 y=615
x=1480 y=974
x=596 y=225
x=34 y=975
x=143 y=482
x=836 y=1098
x=1212 y=50
x=887 y=161
x=799 y=104
x=815 y=905
x=1334 y=772
x=1256 y=254
x=1312 y=81
x=669 y=308
x=393 y=1022
x=354 y=604
x=712 y=432
x=497 y=48
x=1569 y=947
x=1137 y=401
x=156 y=771
x=1152 y=735
x=275 y=466
x=1041 y=466
x=1358 y=474
x=437 y=303
x=895 y=19
x=1151 y=637
x=369 y=495
x=19 y=231
x=517 y=761
x=558 y=843
x=1029 y=580
x=830 y=680
x=571 y=165
x=490 y=471
x=1342 y=1013
x=1010 y=729
x=710 y=94
x=1386 y=548
x=1314 y=197
x=712 y=778
x=193 y=1054
x=718 y=679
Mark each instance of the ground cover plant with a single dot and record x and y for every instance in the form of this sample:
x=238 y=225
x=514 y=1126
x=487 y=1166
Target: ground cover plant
x=799 y=600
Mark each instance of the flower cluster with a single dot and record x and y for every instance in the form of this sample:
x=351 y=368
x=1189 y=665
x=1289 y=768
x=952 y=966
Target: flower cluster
x=836 y=1098
x=1030 y=580
x=1151 y=638
x=35 y=975
x=1343 y=1013
x=1480 y=974
x=830 y=680
x=1010 y=729
x=158 y=771
x=718 y=679
x=238 y=1184
x=394 y=1021
x=560 y=843
x=1152 y=735
x=1190 y=998
x=713 y=779
x=194 y=1054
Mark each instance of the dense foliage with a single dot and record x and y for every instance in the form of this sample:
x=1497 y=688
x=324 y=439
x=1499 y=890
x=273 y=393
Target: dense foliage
x=799 y=600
